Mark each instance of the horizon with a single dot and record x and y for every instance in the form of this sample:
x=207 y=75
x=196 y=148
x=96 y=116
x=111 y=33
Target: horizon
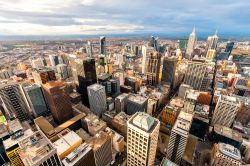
x=110 y=17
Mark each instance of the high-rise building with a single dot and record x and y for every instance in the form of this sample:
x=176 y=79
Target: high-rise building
x=103 y=45
x=225 y=110
x=11 y=144
x=89 y=49
x=84 y=74
x=142 y=138
x=54 y=60
x=13 y=101
x=121 y=102
x=136 y=103
x=183 y=43
x=229 y=47
x=191 y=44
x=168 y=70
x=211 y=54
x=225 y=155
x=36 y=149
x=146 y=52
x=153 y=68
x=62 y=70
x=38 y=62
x=43 y=75
x=212 y=42
x=58 y=101
x=34 y=99
x=179 y=136
x=97 y=99
x=195 y=74
x=102 y=147
x=154 y=43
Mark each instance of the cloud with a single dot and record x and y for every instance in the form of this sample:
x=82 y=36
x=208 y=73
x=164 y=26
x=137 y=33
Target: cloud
x=119 y=16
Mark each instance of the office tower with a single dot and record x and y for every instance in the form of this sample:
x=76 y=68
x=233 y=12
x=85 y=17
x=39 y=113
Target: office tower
x=195 y=74
x=225 y=110
x=154 y=43
x=62 y=70
x=84 y=74
x=225 y=155
x=34 y=98
x=6 y=73
x=89 y=48
x=136 y=103
x=58 y=101
x=191 y=45
x=132 y=82
x=102 y=147
x=97 y=99
x=43 y=75
x=190 y=100
x=146 y=52
x=168 y=70
x=153 y=68
x=121 y=102
x=142 y=138
x=54 y=60
x=179 y=136
x=183 y=44
x=211 y=53
x=241 y=87
x=38 y=62
x=13 y=101
x=212 y=42
x=11 y=144
x=82 y=155
x=36 y=150
x=229 y=47
x=103 y=45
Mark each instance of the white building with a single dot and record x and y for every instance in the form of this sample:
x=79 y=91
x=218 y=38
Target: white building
x=179 y=136
x=225 y=110
x=191 y=44
x=142 y=138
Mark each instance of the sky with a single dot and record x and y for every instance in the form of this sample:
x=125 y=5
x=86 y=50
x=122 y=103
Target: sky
x=94 y=17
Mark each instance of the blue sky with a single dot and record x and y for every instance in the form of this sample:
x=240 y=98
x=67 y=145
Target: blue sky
x=91 y=17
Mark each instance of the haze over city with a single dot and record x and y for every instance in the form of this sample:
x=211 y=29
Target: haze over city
x=93 y=17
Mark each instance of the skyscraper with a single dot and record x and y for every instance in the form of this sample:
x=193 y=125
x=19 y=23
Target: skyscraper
x=54 y=60
x=191 y=44
x=102 y=147
x=13 y=101
x=103 y=45
x=168 y=70
x=34 y=98
x=58 y=101
x=62 y=70
x=89 y=49
x=38 y=62
x=36 y=149
x=136 y=103
x=146 y=52
x=84 y=74
x=43 y=75
x=211 y=46
x=225 y=155
x=225 y=111
x=229 y=47
x=153 y=68
x=195 y=74
x=142 y=138
x=154 y=42
x=97 y=99
x=179 y=136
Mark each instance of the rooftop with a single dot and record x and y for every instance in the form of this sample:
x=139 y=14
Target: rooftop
x=230 y=151
x=143 y=120
x=183 y=123
x=95 y=87
x=34 y=148
x=98 y=140
x=228 y=132
x=137 y=99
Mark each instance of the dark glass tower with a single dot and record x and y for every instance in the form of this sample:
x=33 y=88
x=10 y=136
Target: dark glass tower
x=229 y=47
x=168 y=70
x=103 y=45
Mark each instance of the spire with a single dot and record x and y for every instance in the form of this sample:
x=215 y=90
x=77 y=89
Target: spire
x=193 y=30
x=216 y=32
